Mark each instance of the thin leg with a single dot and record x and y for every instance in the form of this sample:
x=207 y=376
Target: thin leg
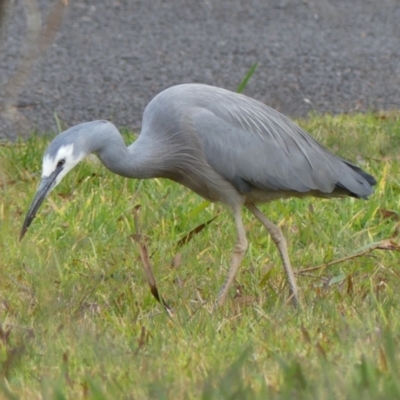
x=237 y=256
x=280 y=241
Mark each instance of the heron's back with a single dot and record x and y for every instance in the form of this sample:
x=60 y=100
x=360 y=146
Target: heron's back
x=203 y=132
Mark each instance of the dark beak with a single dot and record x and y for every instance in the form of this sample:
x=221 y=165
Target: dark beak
x=45 y=187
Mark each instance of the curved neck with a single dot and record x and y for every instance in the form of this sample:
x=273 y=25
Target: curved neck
x=130 y=162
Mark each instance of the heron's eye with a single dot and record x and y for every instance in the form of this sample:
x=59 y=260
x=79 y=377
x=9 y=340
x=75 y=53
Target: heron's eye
x=60 y=163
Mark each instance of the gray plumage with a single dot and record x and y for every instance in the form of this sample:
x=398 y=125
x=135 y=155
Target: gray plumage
x=222 y=145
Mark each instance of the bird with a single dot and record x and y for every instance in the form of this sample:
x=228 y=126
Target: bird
x=222 y=145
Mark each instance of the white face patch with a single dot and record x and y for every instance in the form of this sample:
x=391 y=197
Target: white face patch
x=64 y=153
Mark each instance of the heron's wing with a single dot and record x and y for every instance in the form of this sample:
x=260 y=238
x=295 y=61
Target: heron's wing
x=250 y=143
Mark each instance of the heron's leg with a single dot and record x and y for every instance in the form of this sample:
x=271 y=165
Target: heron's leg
x=280 y=241
x=237 y=256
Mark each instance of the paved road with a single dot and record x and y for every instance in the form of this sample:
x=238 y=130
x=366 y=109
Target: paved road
x=110 y=58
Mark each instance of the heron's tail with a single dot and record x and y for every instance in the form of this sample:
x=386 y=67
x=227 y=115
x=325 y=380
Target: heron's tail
x=357 y=183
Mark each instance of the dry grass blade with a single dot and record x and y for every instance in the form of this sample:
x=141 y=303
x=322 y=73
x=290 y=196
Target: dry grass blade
x=143 y=339
x=12 y=356
x=194 y=231
x=148 y=270
x=5 y=335
x=386 y=244
x=388 y=214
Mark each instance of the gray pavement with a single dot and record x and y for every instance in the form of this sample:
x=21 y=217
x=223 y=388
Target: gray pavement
x=111 y=57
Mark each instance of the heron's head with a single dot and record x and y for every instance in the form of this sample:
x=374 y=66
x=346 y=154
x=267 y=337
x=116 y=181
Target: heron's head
x=63 y=153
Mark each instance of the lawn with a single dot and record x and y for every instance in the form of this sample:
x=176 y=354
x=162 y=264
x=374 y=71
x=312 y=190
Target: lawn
x=77 y=319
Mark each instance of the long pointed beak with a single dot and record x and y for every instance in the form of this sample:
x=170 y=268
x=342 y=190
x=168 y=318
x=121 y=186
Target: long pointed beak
x=45 y=187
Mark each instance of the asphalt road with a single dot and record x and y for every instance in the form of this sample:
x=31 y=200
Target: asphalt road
x=110 y=58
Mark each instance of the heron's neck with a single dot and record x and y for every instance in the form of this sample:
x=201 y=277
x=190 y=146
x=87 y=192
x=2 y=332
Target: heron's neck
x=134 y=161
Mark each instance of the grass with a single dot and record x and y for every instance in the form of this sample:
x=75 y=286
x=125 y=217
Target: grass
x=78 y=320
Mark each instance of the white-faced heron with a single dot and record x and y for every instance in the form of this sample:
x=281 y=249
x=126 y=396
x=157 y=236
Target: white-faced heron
x=224 y=146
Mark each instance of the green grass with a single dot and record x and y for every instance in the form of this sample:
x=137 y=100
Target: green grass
x=78 y=320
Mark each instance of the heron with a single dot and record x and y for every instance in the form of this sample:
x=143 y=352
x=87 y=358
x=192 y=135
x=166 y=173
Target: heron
x=224 y=146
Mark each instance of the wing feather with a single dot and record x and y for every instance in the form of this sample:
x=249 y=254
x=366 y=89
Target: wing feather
x=246 y=139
